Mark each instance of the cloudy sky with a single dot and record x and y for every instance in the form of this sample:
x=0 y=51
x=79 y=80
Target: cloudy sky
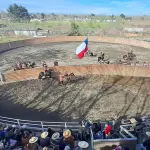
x=128 y=7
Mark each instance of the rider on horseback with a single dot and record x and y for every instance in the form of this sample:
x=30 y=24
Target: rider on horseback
x=45 y=70
x=19 y=65
x=44 y=64
x=101 y=57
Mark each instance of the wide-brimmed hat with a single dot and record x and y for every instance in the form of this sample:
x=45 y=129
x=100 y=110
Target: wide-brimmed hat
x=148 y=134
x=133 y=121
x=33 y=140
x=55 y=136
x=44 y=135
x=67 y=133
x=45 y=148
x=13 y=126
x=83 y=144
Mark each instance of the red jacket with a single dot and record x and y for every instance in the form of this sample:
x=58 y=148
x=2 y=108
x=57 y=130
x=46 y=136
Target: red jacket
x=108 y=129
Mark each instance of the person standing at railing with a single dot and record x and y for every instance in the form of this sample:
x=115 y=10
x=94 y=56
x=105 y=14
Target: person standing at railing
x=68 y=138
x=33 y=145
x=107 y=130
x=45 y=140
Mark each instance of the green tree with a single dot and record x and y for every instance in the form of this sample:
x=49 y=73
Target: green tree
x=112 y=17
x=122 y=16
x=18 y=13
x=42 y=15
x=93 y=15
x=75 y=29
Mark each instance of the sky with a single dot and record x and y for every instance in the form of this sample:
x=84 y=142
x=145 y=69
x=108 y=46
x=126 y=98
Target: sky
x=103 y=7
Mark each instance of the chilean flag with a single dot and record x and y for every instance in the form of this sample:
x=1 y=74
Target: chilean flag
x=82 y=49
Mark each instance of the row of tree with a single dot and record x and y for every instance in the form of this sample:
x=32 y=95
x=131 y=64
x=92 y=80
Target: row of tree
x=20 y=13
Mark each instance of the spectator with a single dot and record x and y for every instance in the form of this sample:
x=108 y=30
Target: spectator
x=9 y=134
x=1 y=133
x=25 y=138
x=62 y=143
x=50 y=132
x=107 y=130
x=68 y=138
x=44 y=140
x=12 y=144
x=146 y=143
x=55 y=140
x=32 y=144
x=24 y=129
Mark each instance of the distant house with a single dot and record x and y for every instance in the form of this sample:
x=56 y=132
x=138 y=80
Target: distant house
x=35 y=20
x=133 y=30
x=108 y=20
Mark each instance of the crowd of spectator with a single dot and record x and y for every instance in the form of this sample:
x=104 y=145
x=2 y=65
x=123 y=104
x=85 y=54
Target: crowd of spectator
x=12 y=137
x=23 y=138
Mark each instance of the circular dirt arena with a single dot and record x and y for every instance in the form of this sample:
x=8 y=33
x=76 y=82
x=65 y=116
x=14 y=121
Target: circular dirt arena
x=95 y=97
x=64 y=53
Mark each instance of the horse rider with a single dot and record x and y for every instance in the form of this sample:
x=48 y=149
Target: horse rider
x=44 y=64
x=66 y=73
x=19 y=65
x=45 y=70
x=101 y=57
x=29 y=64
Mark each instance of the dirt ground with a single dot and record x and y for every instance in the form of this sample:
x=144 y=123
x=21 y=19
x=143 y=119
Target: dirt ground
x=96 y=97
x=64 y=53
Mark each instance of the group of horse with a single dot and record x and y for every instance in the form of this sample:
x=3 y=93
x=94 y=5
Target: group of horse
x=67 y=77
x=56 y=75
x=53 y=74
x=24 y=65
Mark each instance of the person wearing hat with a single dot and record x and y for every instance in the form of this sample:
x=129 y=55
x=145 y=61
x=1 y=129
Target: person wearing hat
x=45 y=140
x=25 y=129
x=32 y=144
x=25 y=139
x=55 y=139
x=68 y=138
x=146 y=143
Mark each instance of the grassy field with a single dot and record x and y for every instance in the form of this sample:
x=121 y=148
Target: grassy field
x=6 y=39
x=54 y=24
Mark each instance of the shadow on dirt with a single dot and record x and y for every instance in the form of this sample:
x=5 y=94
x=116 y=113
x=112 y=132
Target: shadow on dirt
x=72 y=101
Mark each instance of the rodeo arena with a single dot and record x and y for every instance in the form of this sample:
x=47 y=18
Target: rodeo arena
x=75 y=93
